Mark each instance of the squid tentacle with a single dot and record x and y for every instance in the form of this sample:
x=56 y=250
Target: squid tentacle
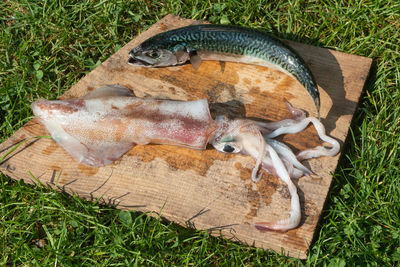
x=289 y=128
x=298 y=115
x=284 y=151
x=320 y=150
x=262 y=152
x=294 y=172
x=295 y=211
x=279 y=160
x=299 y=126
x=282 y=162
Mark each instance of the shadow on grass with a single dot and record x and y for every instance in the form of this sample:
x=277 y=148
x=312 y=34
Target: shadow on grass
x=347 y=148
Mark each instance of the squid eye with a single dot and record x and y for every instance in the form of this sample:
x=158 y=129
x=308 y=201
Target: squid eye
x=228 y=148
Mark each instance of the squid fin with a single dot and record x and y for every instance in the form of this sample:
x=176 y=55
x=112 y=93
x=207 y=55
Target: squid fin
x=90 y=153
x=100 y=155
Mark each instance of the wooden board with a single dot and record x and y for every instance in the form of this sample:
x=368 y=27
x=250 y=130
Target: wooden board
x=206 y=189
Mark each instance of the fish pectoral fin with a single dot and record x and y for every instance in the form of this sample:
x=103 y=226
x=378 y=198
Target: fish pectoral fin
x=90 y=152
x=109 y=90
x=182 y=56
x=195 y=59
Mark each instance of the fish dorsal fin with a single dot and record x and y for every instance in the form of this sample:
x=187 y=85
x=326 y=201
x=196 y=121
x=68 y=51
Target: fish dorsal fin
x=109 y=90
x=220 y=28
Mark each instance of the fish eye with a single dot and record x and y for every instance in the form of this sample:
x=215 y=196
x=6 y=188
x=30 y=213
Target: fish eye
x=153 y=54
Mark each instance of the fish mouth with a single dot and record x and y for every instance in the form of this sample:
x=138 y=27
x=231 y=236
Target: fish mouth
x=137 y=62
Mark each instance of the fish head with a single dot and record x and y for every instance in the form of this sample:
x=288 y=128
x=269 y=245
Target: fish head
x=157 y=56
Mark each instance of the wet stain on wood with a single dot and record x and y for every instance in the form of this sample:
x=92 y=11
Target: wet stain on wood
x=261 y=105
x=221 y=90
x=309 y=213
x=245 y=173
x=265 y=189
x=50 y=148
x=56 y=168
x=286 y=83
x=203 y=83
x=253 y=197
x=59 y=176
x=283 y=191
x=179 y=158
x=34 y=128
x=247 y=81
x=87 y=170
x=306 y=139
x=172 y=90
x=163 y=27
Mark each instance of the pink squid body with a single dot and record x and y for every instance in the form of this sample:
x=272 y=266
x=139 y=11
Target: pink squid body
x=100 y=127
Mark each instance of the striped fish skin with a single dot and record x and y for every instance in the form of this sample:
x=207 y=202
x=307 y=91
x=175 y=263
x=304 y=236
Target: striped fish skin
x=225 y=39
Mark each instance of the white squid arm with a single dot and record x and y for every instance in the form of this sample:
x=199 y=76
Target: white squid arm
x=294 y=173
x=299 y=126
x=320 y=150
x=254 y=144
x=295 y=211
x=286 y=153
x=298 y=115
x=260 y=157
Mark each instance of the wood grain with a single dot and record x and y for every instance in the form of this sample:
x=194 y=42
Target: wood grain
x=206 y=189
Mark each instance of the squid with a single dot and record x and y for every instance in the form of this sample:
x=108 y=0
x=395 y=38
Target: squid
x=102 y=126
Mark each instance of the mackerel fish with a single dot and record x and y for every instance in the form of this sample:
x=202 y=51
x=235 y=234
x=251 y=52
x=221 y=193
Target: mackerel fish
x=226 y=43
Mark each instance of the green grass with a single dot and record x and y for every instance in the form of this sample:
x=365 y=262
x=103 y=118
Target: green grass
x=47 y=46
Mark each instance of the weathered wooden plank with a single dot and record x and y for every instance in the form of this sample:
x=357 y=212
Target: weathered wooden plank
x=206 y=189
